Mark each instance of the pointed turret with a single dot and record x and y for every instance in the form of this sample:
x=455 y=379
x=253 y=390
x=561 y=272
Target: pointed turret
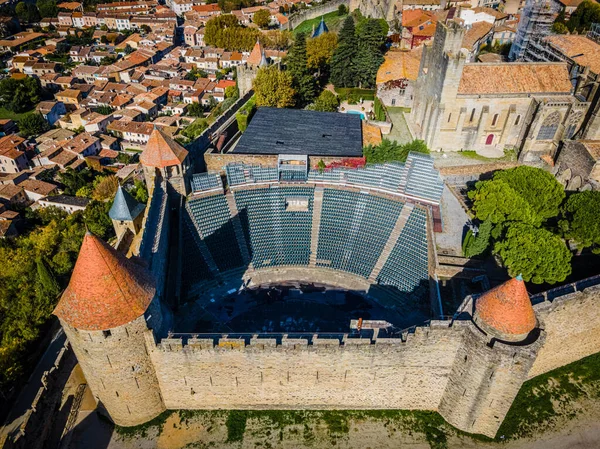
x=505 y=312
x=125 y=207
x=321 y=29
x=106 y=289
x=162 y=151
x=257 y=56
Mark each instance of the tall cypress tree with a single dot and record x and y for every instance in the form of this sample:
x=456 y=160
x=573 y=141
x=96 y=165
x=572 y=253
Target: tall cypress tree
x=344 y=72
x=369 y=56
x=296 y=62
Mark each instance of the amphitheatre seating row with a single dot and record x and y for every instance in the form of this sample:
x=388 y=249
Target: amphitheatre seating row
x=406 y=267
x=277 y=237
x=355 y=227
x=213 y=218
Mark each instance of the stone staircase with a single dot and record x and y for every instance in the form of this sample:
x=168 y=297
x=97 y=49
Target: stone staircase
x=389 y=245
x=316 y=225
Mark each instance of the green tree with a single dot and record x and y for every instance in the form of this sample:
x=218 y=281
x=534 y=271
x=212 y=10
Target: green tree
x=47 y=8
x=327 y=101
x=232 y=92
x=196 y=128
x=128 y=49
x=342 y=10
x=146 y=29
x=587 y=12
x=581 y=219
x=140 y=192
x=27 y=12
x=97 y=220
x=559 y=28
x=226 y=32
x=108 y=60
x=319 y=52
x=262 y=18
x=194 y=74
x=474 y=245
x=538 y=187
x=535 y=253
x=105 y=187
x=344 y=72
x=274 y=87
x=19 y=95
x=74 y=180
x=195 y=109
x=498 y=202
x=389 y=150
x=104 y=110
x=369 y=55
x=303 y=82
x=33 y=124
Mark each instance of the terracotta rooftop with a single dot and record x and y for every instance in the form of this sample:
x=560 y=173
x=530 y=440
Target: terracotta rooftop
x=580 y=49
x=477 y=31
x=400 y=64
x=162 y=151
x=106 y=290
x=506 y=309
x=514 y=78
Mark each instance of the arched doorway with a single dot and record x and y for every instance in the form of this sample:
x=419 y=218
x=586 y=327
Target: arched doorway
x=489 y=140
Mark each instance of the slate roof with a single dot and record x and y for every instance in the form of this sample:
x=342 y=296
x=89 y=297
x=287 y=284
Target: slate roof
x=506 y=309
x=296 y=131
x=125 y=207
x=321 y=29
x=68 y=200
x=106 y=290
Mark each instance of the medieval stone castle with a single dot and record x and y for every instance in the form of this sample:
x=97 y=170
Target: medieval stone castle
x=469 y=368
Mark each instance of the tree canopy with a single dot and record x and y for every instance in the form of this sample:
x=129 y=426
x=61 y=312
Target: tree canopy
x=303 y=82
x=262 y=18
x=538 y=187
x=327 y=101
x=319 y=51
x=581 y=219
x=226 y=32
x=587 y=12
x=274 y=87
x=498 y=202
x=359 y=53
x=20 y=95
x=388 y=151
x=537 y=254
x=33 y=124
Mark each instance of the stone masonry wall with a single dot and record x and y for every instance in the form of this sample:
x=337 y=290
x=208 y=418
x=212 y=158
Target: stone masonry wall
x=119 y=371
x=324 y=375
x=572 y=325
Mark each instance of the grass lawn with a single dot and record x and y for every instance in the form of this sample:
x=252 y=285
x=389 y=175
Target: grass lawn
x=509 y=155
x=5 y=113
x=332 y=20
x=365 y=94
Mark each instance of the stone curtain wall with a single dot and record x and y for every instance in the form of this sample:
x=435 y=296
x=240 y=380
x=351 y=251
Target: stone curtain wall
x=324 y=375
x=572 y=325
x=314 y=12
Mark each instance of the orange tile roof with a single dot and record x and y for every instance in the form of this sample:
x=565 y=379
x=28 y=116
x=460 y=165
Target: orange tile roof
x=106 y=290
x=256 y=55
x=400 y=64
x=506 y=309
x=580 y=49
x=162 y=151
x=514 y=78
x=477 y=31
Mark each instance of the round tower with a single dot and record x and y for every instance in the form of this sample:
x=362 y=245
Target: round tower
x=499 y=347
x=106 y=312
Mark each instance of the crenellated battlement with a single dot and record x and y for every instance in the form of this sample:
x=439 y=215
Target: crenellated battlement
x=304 y=341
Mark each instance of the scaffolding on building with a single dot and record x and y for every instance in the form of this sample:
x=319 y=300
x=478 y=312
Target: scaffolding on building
x=536 y=23
x=594 y=33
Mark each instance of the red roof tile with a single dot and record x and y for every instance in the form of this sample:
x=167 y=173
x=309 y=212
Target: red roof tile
x=162 y=151
x=506 y=309
x=106 y=290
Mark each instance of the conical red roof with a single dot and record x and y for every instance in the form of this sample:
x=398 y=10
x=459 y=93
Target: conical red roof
x=162 y=151
x=507 y=310
x=106 y=289
x=256 y=55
